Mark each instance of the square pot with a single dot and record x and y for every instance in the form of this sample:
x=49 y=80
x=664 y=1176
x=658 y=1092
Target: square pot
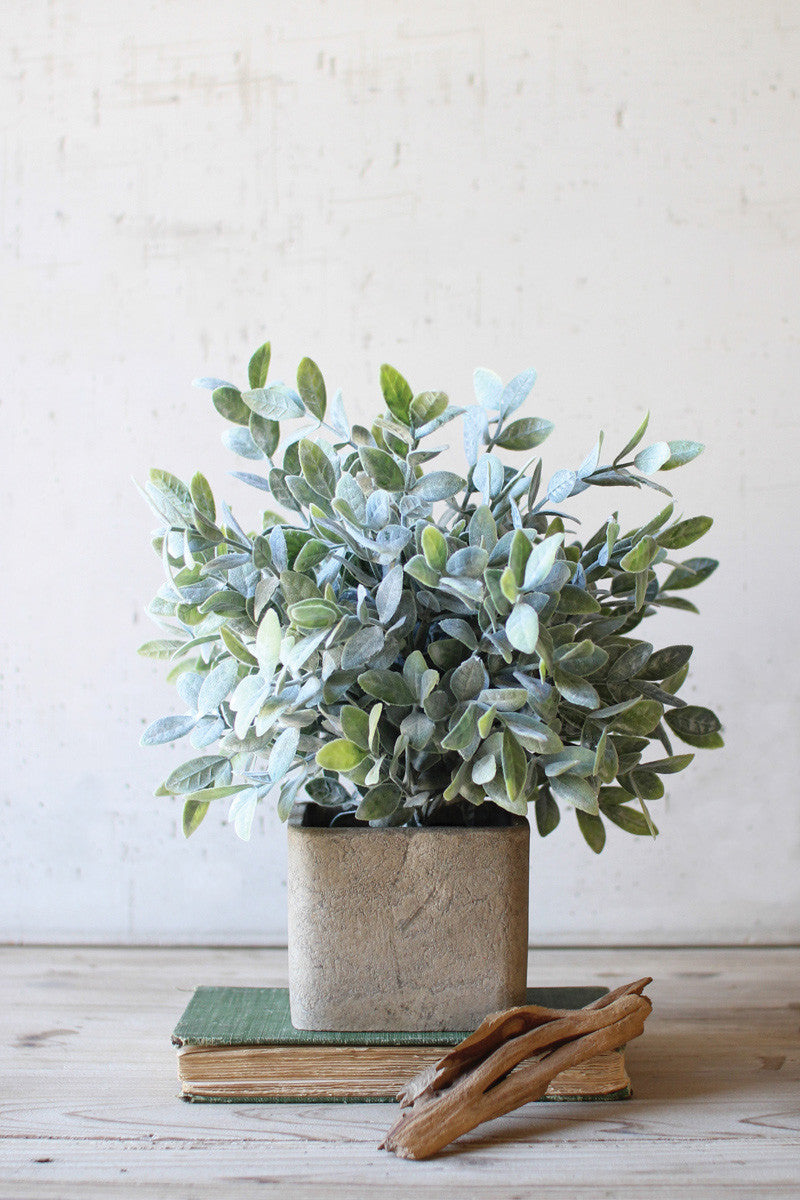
x=405 y=928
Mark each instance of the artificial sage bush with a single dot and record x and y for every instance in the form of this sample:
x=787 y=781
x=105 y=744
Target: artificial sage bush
x=404 y=643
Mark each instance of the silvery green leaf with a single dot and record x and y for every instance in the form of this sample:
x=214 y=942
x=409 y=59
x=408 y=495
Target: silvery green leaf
x=198 y=773
x=347 y=489
x=242 y=811
x=161 y=648
x=449 y=414
x=634 y=441
x=287 y=797
x=318 y=470
x=689 y=574
x=484 y=769
x=576 y=690
x=268 y=644
x=482 y=529
x=571 y=789
x=167 y=729
x=589 y=464
x=311 y=387
x=278 y=549
x=541 y=561
x=337 y=416
x=682 y=452
x=254 y=481
x=230 y=522
x=488 y=476
x=388 y=593
x=488 y=387
x=468 y=679
x=561 y=485
x=282 y=754
x=418 y=729
x=378 y=509
x=516 y=392
x=522 y=628
x=652 y=458
x=456 y=628
x=217 y=686
x=209 y=384
x=246 y=702
x=439 y=485
x=388 y=686
x=578 y=760
x=240 y=441
x=476 y=426
x=462 y=731
x=382 y=468
x=471 y=562
x=505 y=699
x=277 y=402
x=188 y=688
x=379 y=802
x=469 y=590
x=392 y=540
x=206 y=731
x=362 y=647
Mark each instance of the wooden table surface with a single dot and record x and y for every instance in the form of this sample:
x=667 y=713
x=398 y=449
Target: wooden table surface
x=89 y=1107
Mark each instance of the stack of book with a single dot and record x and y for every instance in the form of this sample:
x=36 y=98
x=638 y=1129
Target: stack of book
x=239 y=1045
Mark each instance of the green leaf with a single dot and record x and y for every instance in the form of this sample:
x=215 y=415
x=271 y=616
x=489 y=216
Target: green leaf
x=593 y=830
x=427 y=406
x=161 y=648
x=311 y=387
x=571 y=789
x=340 y=755
x=203 y=497
x=690 y=573
x=434 y=547
x=388 y=686
x=317 y=468
x=694 y=720
x=525 y=433
x=198 y=773
x=518 y=555
x=266 y=435
x=682 y=452
x=641 y=719
x=193 y=813
x=311 y=554
x=630 y=663
x=541 y=561
x=666 y=662
x=634 y=442
x=576 y=690
x=259 y=366
x=640 y=557
x=276 y=403
x=439 y=485
x=646 y=784
x=703 y=741
x=419 y=569
x=468 y=679
x=229 y=404
x=671 y=765
x=396 y=393
x=379 y=802
x=514 y=764
x=463 y=732
x=627 y=818
x=355 y=725
x=314 y=614
x=684 y=533
x=574 y=600
x=382 y=468
x=237 y=648
x=522 y=627
x=547 y=813
x=471 y=562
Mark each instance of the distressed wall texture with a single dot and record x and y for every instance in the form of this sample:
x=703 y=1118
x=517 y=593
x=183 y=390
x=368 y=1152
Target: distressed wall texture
x=606 y=191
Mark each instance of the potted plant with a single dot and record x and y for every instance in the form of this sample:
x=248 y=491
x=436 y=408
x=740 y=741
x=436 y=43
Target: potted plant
x=413 y=661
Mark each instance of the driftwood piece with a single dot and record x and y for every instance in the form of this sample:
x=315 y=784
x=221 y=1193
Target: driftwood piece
x=487 y=1074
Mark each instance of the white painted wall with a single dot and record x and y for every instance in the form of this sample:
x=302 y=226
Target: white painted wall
x=607 y=191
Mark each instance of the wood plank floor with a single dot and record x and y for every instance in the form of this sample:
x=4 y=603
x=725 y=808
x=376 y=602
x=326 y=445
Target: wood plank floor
x=89 y=1108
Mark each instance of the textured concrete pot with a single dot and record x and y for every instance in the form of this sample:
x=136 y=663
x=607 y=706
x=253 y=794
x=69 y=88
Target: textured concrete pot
x=405 y=928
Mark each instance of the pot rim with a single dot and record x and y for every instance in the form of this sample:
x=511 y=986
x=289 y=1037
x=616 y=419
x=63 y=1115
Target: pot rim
x=301 y=808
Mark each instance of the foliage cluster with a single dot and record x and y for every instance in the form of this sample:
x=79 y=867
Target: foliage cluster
x=398 y=640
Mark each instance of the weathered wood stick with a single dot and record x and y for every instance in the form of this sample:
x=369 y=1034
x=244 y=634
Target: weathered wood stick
x=493 y=1031
x=435 y=1118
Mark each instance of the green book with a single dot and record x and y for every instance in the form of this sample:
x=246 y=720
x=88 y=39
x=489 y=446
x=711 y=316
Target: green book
x=238 y=1045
